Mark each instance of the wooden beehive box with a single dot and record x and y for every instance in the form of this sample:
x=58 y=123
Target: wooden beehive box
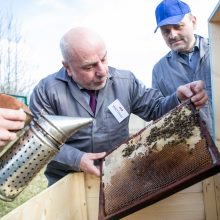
x=76 y=197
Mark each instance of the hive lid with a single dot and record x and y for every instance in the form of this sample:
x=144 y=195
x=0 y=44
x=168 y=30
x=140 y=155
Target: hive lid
x=174 y=152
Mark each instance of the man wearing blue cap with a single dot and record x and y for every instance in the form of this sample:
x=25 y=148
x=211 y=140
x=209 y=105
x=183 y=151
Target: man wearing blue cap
x=188 y=59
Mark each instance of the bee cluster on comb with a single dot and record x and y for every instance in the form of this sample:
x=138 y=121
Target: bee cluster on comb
x=182 y=126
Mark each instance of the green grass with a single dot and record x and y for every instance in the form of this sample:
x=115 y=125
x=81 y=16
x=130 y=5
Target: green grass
x=38 y=184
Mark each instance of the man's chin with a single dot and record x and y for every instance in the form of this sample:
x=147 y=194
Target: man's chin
x=179 y=49
x=178 y=46
x=100 y=85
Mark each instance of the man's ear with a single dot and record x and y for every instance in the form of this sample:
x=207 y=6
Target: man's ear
x=66 y=66
x=194 y=21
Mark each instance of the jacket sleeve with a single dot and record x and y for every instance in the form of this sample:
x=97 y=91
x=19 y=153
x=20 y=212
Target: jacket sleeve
x=149 y=103
x=154 y=82
x=40 y=102
x=70 y=157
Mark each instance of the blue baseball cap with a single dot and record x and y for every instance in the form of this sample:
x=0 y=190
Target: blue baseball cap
x=170 y=12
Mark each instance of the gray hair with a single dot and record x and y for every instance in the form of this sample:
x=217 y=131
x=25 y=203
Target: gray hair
x=64 y=47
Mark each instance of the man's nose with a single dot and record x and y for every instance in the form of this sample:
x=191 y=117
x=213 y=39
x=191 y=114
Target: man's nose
x=101 y=69
x=172 y=34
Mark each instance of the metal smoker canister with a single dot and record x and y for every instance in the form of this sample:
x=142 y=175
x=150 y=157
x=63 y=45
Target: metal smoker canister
x=41 y=141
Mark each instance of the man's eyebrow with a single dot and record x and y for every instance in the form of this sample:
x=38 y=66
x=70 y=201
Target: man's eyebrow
x=92 y=63
x=180 y=23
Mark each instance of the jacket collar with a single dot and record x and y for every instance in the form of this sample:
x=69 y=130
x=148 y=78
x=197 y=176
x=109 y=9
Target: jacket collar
x=62 y=75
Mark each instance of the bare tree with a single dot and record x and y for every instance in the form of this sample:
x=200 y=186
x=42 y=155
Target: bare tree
x=15 y=77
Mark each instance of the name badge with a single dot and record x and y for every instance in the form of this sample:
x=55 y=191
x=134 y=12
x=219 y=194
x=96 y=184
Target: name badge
x=118 y=110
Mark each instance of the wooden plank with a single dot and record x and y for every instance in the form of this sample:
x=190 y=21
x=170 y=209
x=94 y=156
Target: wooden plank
x=215 y=15
x=214 y=31
x=92 y=194
x=187 y=206
x=214 y=36
x=209 y=199
x=79 y=197
x=217 y=191
x=64 y=200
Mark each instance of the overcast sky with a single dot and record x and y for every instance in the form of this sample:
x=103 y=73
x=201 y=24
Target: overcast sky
x=127 y=27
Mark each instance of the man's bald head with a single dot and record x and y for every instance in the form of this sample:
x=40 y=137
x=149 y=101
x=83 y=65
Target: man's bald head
x=77 y=40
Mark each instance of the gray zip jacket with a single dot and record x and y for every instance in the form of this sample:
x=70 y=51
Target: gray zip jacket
x=58 y=94
x=172 y=71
